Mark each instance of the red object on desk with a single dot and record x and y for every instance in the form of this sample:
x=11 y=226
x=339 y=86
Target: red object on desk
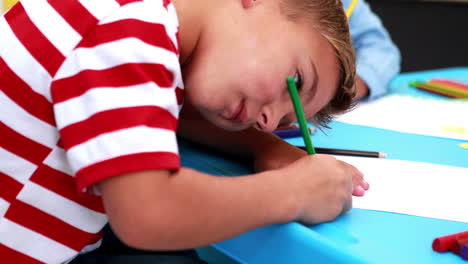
x=446 y=243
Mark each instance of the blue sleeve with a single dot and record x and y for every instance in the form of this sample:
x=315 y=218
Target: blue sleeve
x=377 y=57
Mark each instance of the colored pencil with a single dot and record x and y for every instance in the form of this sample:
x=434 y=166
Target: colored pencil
x=459 y=243
x=444 y=90
x=446 y=243
x=349 y=152
x=300 y=114
x=449 y=83
x=441 y=89
x=464 y=252
x=350 y=9
x=292 y=126
x=290 y=133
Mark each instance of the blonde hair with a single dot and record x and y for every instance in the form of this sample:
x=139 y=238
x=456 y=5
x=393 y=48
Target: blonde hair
x=329 y=19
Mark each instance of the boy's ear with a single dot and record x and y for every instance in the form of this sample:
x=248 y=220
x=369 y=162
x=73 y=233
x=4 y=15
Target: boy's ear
x=248 y=3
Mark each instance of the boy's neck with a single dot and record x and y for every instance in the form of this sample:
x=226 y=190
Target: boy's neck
x=191 y=15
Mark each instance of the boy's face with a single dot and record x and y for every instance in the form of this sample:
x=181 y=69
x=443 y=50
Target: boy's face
x=236 y=77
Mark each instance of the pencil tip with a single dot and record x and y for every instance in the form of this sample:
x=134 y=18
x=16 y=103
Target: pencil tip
x=382 y=155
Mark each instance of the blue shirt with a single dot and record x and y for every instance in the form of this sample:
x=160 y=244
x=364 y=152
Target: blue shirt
x=377 y=57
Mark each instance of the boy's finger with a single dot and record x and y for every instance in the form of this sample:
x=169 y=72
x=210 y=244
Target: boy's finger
x=358 y=191
x=365 y=185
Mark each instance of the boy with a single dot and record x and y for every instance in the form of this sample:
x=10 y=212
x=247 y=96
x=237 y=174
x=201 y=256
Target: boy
x=90 y=97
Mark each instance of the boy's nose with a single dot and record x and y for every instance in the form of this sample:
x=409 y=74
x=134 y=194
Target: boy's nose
x=267 y=122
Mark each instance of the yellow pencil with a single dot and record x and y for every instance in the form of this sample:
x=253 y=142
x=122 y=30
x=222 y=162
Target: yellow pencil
x=351 y=7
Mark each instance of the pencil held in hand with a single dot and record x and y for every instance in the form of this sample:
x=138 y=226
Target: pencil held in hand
x=300 y=114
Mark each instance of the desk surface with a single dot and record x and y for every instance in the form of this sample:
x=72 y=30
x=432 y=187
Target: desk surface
x=359 y=236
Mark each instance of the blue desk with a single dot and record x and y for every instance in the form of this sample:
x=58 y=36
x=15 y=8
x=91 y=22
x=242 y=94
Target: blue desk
x=359 y=236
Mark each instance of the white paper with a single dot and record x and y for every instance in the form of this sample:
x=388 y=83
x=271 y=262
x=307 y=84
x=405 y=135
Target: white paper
x=413 y=188
x=419 y=115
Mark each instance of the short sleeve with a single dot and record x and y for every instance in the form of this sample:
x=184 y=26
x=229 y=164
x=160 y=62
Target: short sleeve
x=115 y=99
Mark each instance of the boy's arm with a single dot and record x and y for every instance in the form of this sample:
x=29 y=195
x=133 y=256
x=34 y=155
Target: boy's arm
x=268 y=151
x=378 y=58
x=165 y=210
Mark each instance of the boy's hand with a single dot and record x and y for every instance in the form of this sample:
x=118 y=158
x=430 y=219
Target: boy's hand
x=361 y=89
x=322 y=187
x=280 y=154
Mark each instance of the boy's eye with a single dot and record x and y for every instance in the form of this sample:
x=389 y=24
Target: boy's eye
x=298 y=80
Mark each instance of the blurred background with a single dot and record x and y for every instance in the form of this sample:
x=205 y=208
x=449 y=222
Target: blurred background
x=430 y=34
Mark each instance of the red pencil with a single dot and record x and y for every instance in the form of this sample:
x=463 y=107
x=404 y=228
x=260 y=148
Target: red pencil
x=446 y=243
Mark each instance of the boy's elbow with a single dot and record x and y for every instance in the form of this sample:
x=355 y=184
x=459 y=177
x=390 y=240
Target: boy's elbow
x=141 y=231
x=131 y=230
x=130 y=204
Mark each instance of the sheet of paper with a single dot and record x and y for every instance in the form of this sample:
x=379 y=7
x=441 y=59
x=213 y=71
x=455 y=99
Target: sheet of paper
x=419 y=115
x=413 y=188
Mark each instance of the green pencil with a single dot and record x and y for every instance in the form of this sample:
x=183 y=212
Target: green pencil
x=300 y=114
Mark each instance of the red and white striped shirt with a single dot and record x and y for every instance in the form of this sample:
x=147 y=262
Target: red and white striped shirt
x=90 y=89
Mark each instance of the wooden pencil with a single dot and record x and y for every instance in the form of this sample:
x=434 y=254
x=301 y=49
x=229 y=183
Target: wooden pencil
x=349 y=152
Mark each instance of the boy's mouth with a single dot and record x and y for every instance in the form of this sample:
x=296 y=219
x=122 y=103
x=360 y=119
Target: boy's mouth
x=240 y=114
